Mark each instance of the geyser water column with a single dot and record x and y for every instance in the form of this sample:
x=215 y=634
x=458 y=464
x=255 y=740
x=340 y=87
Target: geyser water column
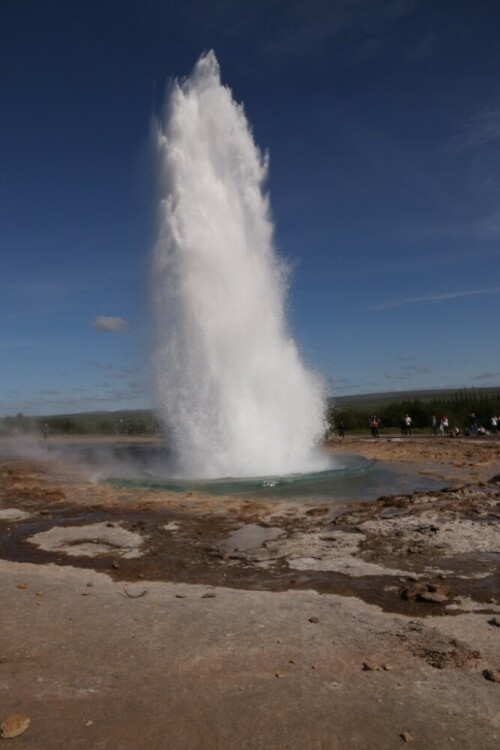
x=231 y=388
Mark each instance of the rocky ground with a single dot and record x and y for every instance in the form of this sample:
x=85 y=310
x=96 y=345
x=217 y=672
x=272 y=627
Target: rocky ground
x=134 y=616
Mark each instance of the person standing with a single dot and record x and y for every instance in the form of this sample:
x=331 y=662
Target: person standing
x=408 y=425
x=494 y=425
x=473 y=422
x=434 y=424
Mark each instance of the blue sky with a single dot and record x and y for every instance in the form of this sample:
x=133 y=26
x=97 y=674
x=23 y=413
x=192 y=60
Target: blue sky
x=382 y=123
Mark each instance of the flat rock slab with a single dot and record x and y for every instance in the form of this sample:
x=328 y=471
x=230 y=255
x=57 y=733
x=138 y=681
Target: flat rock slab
x=244 y=669
x=13 y=514
x=90 y=541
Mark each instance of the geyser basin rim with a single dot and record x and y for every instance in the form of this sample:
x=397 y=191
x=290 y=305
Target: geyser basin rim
x=351 y=466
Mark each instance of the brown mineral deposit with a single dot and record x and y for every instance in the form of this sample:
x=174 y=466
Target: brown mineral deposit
x=14 y=725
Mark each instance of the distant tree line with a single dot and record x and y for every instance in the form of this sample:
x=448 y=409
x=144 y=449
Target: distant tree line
x=457 y=407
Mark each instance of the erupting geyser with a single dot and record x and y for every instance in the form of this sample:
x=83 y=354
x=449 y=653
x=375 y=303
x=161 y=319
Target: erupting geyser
x=231 y=388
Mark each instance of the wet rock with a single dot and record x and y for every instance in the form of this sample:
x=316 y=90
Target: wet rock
x=433 y=596
x=13 y=514
x=426 y=592
x=317 y=512
x=14 y=725
x=493 y=675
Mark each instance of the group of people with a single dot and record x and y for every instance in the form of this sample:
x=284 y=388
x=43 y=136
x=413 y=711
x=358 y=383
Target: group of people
x=444 y=425
x=473 y=428
x=441 y=426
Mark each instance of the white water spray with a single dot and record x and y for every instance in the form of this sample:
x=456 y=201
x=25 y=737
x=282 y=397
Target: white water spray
x=231 y=389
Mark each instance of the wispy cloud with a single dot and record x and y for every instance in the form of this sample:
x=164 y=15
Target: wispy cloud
x=109 y=324
x=490 y=225
x=407 y=369
x=423 y=47
x=433 y=298
x=481 y=129
x=389 y=375
x=291 y=31
x=478 y=143
x=486 y=376
x=20 y=344
x=414 y=369
x=55 y=402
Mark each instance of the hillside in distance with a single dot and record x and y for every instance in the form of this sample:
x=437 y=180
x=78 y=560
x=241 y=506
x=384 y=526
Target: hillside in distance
x=437 y=394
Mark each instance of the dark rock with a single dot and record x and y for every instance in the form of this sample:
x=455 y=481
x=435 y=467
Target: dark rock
x=406 y=737
x=493 y=675
x=370 y=665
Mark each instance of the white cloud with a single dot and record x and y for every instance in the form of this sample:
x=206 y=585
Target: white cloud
x=109 y=324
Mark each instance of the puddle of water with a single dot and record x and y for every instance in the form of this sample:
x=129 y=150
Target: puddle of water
x=249 y=537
